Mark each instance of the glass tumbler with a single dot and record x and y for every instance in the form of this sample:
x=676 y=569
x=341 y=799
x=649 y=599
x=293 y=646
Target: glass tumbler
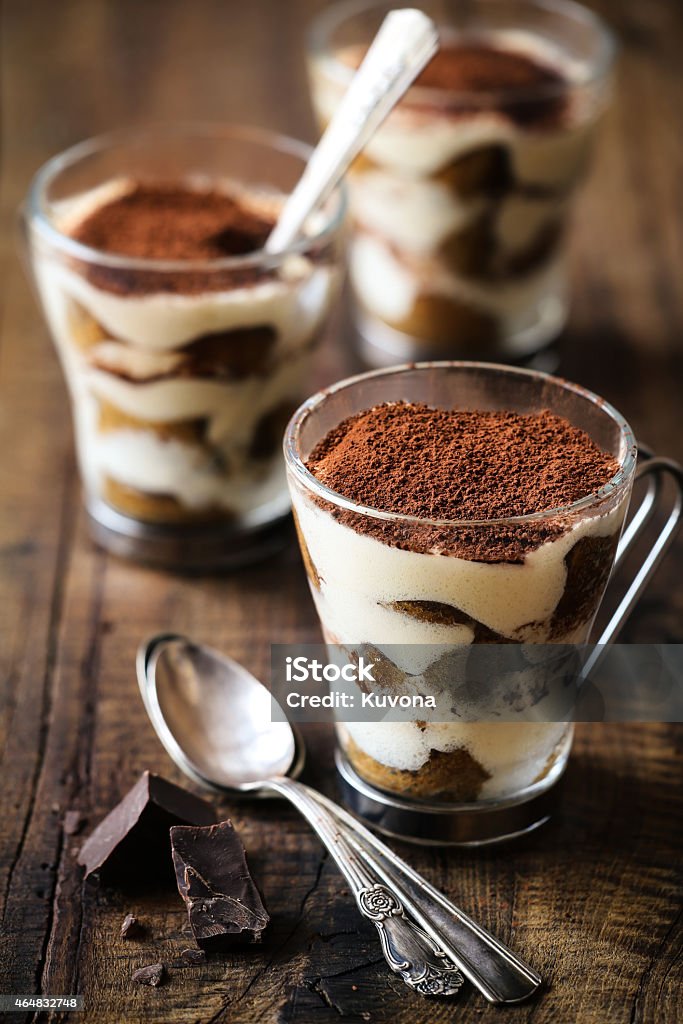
x=182 y=373
x=461 y=200
x=391 y=584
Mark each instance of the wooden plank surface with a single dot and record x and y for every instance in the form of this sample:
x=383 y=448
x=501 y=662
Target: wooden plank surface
x=594 y=899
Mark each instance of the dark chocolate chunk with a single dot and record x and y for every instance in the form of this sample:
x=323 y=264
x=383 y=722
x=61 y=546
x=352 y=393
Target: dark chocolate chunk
x=131 y=927
x=190 y=958
x=132 y=842
x=152 y=975
x=73 y=823
x=223 y=904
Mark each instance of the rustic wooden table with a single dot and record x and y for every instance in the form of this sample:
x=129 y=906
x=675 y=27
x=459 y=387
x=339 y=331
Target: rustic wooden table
x=593 y=899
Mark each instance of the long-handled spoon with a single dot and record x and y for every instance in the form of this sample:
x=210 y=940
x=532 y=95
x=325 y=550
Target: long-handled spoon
x=406 y=41
x=214 y=719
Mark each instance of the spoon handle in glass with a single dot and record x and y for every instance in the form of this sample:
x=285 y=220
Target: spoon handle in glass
x=406 y=41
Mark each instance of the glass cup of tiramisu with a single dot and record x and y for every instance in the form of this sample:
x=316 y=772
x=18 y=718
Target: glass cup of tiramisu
x=461 y=200
x=185 y=346
x=444 y=505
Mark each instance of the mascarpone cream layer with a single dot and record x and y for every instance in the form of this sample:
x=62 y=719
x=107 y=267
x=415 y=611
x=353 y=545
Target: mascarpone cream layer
x=419 y=215
x=389 y=287
x=360 y=576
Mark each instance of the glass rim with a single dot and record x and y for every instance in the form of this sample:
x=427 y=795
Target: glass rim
x=39 y=219
x=324 y=23
x=294 y=462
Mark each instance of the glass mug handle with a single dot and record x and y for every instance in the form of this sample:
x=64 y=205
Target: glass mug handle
x=655 y=468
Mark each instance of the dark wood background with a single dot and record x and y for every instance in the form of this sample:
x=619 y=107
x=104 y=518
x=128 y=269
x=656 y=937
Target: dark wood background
x=593 y=901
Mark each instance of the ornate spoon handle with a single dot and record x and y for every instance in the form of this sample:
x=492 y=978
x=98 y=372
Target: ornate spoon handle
x=499 y=974
x=408 y=950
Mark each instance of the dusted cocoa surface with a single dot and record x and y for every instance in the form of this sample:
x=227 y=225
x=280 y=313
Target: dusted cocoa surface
x=478 y=74
x=171 y=221
x=529 y=91
x=431 y=463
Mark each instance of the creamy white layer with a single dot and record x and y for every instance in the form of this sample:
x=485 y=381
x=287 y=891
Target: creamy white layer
x=361 y=577
x=389 y=287
x=160 y=322
x=418 y=216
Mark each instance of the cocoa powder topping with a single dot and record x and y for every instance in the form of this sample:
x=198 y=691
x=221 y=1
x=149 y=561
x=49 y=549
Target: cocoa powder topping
x=172 y=222
x=480 y=67
x=527 y=89
x=460 y=465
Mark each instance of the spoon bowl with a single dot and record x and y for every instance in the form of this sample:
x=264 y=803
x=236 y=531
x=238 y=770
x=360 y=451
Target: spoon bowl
x=215 y=721
x=213 y=717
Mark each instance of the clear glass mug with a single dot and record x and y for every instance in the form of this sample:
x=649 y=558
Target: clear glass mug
x=374 y=575
x=461 y=201
x=182 y=374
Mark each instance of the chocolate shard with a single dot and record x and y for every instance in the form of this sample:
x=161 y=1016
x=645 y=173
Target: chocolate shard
x=132 y=843
x=152 y=975
x=73 y=823
x=223 y=904
x=131 y=927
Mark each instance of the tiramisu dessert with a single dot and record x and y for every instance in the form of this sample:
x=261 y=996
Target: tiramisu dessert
x=460 y=200
x=455 y=527
x=185 y=349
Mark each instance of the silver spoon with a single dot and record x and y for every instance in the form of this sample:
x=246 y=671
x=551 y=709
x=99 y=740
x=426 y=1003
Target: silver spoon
x=406 y=41
x=214 y=719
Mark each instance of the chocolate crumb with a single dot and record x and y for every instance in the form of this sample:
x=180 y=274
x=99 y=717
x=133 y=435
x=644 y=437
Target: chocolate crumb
x=190 y=958
x=153 y=975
